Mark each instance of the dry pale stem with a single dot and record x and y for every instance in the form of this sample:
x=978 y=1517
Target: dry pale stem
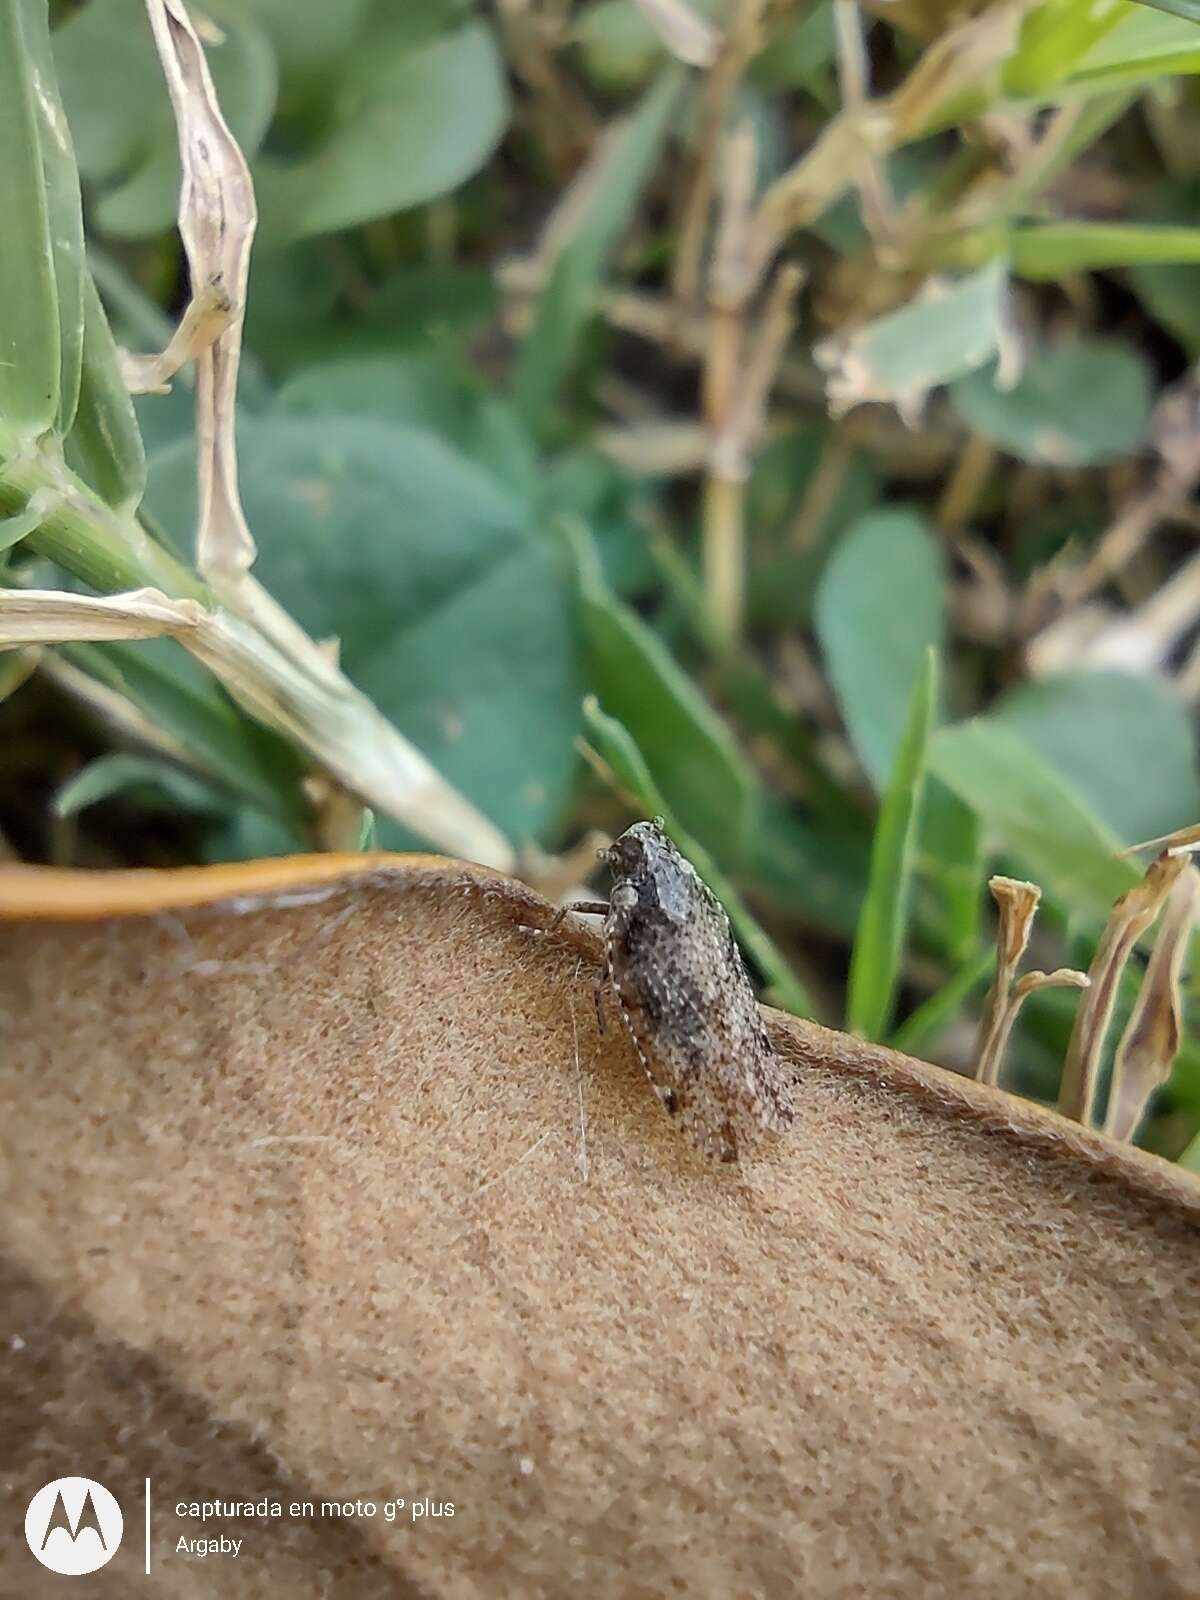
x=687 y=36
x=1131 y=916
x=742 y=42
x=849 y=149
x=1061 y=978
x=217 y=219
x=723 y=531
x=967 y=482
x=1151 y=1040
x=737 y=419
x=1144 y=637
x=724 y=553
x=565 y=121
x=737 y=380
x=853 y=66
x=362 y=751
x=1017 y=903
x=258 y=651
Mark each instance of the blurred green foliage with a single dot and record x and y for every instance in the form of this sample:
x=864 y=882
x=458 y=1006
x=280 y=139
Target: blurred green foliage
x=429 y=468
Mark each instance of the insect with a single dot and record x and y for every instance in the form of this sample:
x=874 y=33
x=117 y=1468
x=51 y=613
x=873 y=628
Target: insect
x=682 y=988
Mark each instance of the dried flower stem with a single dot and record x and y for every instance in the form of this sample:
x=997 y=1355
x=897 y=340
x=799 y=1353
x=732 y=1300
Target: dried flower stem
x=1060 y=978
x=1131 y=916
x=1017 y=903
x=741 y=43
x=1151 y=1040
x=853 y=69
x=737 y=382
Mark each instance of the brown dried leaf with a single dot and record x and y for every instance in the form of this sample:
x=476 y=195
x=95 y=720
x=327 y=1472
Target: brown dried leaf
x=348 y=1195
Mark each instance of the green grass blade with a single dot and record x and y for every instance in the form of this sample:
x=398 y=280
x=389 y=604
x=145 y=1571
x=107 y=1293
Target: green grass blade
x=105 y=443
x=1047 y=250
x=149 y=780
x=697 y=761
x=928 y=1020
x=567 y=301
x=612 y=741
x=30 y=347
x=64 y=208
x=1189 y=10
x=879 y=942
x=1037 y=813
x=880 y=606
x=175 y=694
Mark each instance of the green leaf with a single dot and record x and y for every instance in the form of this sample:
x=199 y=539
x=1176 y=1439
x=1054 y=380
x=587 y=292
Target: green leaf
x=30 y=344
x=929 y=1019
x=800 y=53
x=16 y=668
x=63 y=206
x=434 y=391
x=1144 y=45
x=1189 y=9
x=21 y=524
x=568 y=300
x=802 y=497
x=1027 y=807
x=147 y=780
x=406 y=122
x=878 y=611
x=695 y=760
x=950 y=864
x=618 y=47
x=614 y=744
x=879 y=941
x=296 y=314
x=812 y=872
x=1123 y=741
x=1190 y=1159
x=454 y=615
x=160 y=679
x=1079 y=404
x=308 y=36
x=120 y=113
x=1055 y=37
x=251 y=836
x=1172 y=293
x=937 y=337
x=105 y=443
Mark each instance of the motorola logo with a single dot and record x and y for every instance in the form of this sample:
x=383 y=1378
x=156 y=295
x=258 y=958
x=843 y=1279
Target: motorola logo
x=73 y=1526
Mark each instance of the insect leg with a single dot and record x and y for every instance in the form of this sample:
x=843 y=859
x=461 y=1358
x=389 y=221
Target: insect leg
x=588 y=908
